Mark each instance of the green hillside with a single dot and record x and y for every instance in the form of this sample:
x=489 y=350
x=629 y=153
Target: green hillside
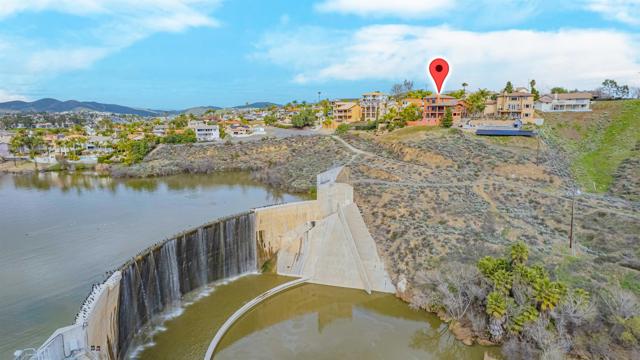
x=603 y=145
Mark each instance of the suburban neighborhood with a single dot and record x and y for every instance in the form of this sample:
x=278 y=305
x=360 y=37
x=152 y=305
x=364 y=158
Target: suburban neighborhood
x=90 y=137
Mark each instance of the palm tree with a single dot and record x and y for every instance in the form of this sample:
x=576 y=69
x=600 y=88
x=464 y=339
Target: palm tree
x=464 y=87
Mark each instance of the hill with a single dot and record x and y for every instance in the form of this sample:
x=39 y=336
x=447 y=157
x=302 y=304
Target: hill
x=199 y=110
x=53 y=105
x=603 y=146
x=257 y=105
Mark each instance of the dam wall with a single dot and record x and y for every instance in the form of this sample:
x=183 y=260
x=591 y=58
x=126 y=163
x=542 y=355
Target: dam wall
x=152 y=282
x=323 y=241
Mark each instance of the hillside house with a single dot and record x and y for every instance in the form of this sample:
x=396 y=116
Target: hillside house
x=577 y=101
x=435 y=106
x=515 y=105
x=373 y=105
x=345 y=112
x=204 y=132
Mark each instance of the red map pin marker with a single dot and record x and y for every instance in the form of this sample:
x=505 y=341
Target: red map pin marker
x=439 y=69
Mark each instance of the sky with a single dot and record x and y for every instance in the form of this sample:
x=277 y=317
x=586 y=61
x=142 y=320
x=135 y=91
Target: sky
x=176 y=54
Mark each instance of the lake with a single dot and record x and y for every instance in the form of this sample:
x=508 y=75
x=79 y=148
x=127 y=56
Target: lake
x=60 y=233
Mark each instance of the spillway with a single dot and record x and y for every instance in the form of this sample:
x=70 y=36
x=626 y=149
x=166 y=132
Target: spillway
x=156 y=279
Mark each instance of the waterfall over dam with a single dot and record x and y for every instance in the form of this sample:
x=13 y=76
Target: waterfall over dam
x=324 y=241
x=156 y=279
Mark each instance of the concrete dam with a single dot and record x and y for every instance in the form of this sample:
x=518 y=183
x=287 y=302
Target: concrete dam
x=323 y=241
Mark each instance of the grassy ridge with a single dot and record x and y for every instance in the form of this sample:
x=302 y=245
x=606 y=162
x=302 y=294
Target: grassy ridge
x=598 y=142
x=615 y=146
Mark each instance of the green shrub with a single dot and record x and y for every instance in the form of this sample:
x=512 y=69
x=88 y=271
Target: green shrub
x=528 y=315
x=342 y=129
x=496 y=305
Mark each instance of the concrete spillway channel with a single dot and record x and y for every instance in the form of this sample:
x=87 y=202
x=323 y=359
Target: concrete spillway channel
x=244 y=309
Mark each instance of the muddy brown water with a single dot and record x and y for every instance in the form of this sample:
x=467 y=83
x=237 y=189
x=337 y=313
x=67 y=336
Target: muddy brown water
x=306 y=322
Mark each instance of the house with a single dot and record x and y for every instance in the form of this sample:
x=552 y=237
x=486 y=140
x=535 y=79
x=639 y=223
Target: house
x=160 y=130
x=345 y=112
x=5 y=140
x=203 y=131
x=415 y=101
x=577 y=101
x=239 y=130
x=435 y=106
x=515 y=105
x=490 y=108
x=373 y=105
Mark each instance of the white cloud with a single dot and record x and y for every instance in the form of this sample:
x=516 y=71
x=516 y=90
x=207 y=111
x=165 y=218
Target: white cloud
x=401 y=8
x=114 y=25
x=572 y=58
x=479 y=12
x=5 y=95
x=626 y=11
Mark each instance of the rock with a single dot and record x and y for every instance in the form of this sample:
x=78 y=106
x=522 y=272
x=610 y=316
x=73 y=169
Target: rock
x=485 y=342
x=461 y=333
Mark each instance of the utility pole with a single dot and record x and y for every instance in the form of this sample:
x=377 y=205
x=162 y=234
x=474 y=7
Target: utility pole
x=538 y=150
x=573 y=201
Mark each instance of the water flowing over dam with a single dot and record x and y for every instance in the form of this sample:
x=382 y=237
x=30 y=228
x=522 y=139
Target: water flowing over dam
x=157 y=279
x=323 y=241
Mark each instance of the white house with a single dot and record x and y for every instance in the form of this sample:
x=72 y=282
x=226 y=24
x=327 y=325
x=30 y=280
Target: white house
x=577 y=101
x=160 y=130
x=205 y=132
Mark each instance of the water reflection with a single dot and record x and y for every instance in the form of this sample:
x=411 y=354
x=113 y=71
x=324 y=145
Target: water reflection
x=60 y=232
x=85 y=181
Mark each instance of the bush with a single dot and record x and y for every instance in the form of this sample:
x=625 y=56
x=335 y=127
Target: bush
x=342 y=129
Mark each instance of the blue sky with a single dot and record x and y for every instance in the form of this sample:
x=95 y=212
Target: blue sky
x=173 y=54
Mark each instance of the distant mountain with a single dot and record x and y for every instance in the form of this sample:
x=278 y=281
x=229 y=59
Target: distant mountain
x=256 y=105
x=199 y=110
x=53 y=105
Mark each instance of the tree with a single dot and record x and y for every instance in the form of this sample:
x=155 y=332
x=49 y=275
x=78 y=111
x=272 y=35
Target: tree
x=610 y=87
x=464 y=87
x=534 y=91
x=306 y=117
x=508 y=88
x=419 y=94
x=496 y=309
x=397 y=90
x=447 y=120
x=270 y=119
x=622 y=92
x=519 y=253
x=179 y=121
x=477 y=101
x=410 y=113
x=188 y=136
x=458 y=94
x=32 y=141
x=559 y=90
